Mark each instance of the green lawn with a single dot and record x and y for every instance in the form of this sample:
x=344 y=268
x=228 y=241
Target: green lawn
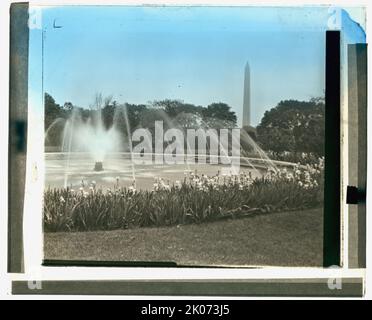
x=282 y=239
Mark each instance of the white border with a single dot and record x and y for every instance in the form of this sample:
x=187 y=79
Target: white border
x=32 y=262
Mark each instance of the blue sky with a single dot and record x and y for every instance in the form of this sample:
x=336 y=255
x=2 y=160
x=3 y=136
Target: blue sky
x=198 y=54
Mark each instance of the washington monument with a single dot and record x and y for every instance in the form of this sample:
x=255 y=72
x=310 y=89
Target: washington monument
x=247 y=97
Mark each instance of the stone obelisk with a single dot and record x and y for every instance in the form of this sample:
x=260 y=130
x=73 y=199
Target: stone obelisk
x=247 y=97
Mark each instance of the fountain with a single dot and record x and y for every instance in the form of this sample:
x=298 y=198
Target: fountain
x=91 y=136
x=108 y=147
x=98 y=166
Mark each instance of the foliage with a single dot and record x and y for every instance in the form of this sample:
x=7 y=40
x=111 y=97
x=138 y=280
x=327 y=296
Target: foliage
x=172 y=112
x=198 y=198
x=174 y=107
x=219 y=115
x=293 y=126
x=53 y=112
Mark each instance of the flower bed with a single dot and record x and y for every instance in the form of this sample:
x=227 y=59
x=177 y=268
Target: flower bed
x=198 y=198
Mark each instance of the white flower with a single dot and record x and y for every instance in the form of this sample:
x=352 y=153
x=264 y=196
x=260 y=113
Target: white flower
x=62 y=199
x=132 y=189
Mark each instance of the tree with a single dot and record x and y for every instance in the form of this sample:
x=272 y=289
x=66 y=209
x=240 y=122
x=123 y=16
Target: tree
x=174 y=107
x=52 y=110
x=188 y=120
x=53 y=117
x=108 y=113
x=134 y=112
x=150 y=115
x=294 y=126
x=68 y=106
x=219 y=115
x=171 y=107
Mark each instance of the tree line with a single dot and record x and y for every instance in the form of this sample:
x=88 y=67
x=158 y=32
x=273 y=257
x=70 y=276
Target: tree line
x=174 y=113
x=290 y=127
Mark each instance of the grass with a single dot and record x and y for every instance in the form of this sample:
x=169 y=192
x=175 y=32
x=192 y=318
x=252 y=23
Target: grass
x=293 y=238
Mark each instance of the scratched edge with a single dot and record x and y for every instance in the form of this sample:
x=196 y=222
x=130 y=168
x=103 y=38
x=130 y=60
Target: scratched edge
x=18 y=100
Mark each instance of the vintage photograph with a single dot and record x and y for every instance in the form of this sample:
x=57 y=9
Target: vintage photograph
x=185 y=135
